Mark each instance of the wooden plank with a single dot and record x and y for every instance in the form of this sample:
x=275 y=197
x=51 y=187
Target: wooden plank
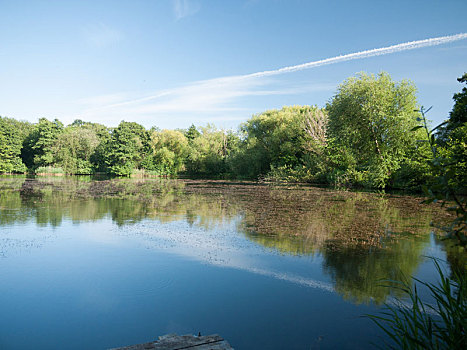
x=181 y=342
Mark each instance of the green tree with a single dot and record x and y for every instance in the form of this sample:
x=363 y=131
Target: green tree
x=39 y=145
x=74 y=149
x=281 y=139
x=458 y=114
x=98 y=157
x=192 y=133
x=451 y=140
x=169 y=149
x=12 y=133
x=369 y=122
x=208 y=152
x=127 y=147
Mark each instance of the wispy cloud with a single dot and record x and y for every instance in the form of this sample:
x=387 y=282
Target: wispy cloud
x=214 y=98
x=185 y=8
x=101 y=35
x=220 y=94
x=103 y=100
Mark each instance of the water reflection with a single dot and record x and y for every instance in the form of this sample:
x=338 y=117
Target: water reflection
x=360 y=237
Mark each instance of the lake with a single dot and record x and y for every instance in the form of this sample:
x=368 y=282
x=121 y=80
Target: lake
x=88 y=264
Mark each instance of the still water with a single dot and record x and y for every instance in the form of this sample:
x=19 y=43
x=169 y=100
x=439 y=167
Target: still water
x=90 y=264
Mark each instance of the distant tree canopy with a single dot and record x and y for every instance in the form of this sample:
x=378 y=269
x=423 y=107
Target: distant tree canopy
x=362 y=138
x=209 y=150
x=12 y=134
x=126 y=149
x=39 y=144
x=169 y=149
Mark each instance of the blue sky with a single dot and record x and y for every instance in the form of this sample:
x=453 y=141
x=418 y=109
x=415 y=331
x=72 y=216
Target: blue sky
x=170 y=63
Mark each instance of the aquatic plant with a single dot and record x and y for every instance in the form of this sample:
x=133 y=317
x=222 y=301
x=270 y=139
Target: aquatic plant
x=420 y=325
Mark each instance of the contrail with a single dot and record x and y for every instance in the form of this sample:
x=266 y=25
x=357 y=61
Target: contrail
x=411 y=45
x=218 y=84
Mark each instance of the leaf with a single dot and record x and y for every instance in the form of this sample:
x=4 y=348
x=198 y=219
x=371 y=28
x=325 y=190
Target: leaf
x=438 y=126
x=416 y=127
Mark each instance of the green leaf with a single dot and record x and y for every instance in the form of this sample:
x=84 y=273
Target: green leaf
x=438 y=126
x=416 y=127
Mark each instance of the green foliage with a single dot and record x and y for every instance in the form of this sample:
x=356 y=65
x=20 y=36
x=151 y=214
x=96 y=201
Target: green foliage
x=246 y=160
x=365 y=141
x=192 y=133
x=444 y=187
x=369 y=120
x=12 y=133
x=127 y=147
x=451 y=140
x=169 y=149
x=208 y=152
x=280 y=139
x=420 y=325
x=39 y=145
x=74 y=148
x=49 y=170
x=454 y=152
x=458 y=114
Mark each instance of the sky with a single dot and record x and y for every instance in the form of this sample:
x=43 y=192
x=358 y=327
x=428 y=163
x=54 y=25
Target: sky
x=172 y=63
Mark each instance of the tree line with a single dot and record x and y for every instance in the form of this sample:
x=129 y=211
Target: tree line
x=365 y=136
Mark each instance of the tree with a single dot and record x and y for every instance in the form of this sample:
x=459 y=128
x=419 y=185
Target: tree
x=458 y=114
x=278 y=139
x=451 y=140
x=169 y=149
x=369 y=121
x=12 y=133
x=208 y=152
x=39 y=145
x=127 y=147
x=74 y=149
x=192 y=133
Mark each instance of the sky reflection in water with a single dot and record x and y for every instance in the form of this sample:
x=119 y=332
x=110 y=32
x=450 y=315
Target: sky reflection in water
x=114 y=262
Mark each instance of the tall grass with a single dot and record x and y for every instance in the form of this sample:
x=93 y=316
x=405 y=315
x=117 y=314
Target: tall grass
x=49 y=170
x=419 y=325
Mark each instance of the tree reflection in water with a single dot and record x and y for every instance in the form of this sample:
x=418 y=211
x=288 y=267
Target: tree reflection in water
x=361 y=237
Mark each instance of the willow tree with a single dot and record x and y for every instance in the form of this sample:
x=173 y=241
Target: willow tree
x=282 y=139
x=74 y=148
x=209 y=150
x=370 y=119
x=169 y=149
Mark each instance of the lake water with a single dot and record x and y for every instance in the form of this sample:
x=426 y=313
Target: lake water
x=98 y=264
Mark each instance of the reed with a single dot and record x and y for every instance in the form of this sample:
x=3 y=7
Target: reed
x=415 y=324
